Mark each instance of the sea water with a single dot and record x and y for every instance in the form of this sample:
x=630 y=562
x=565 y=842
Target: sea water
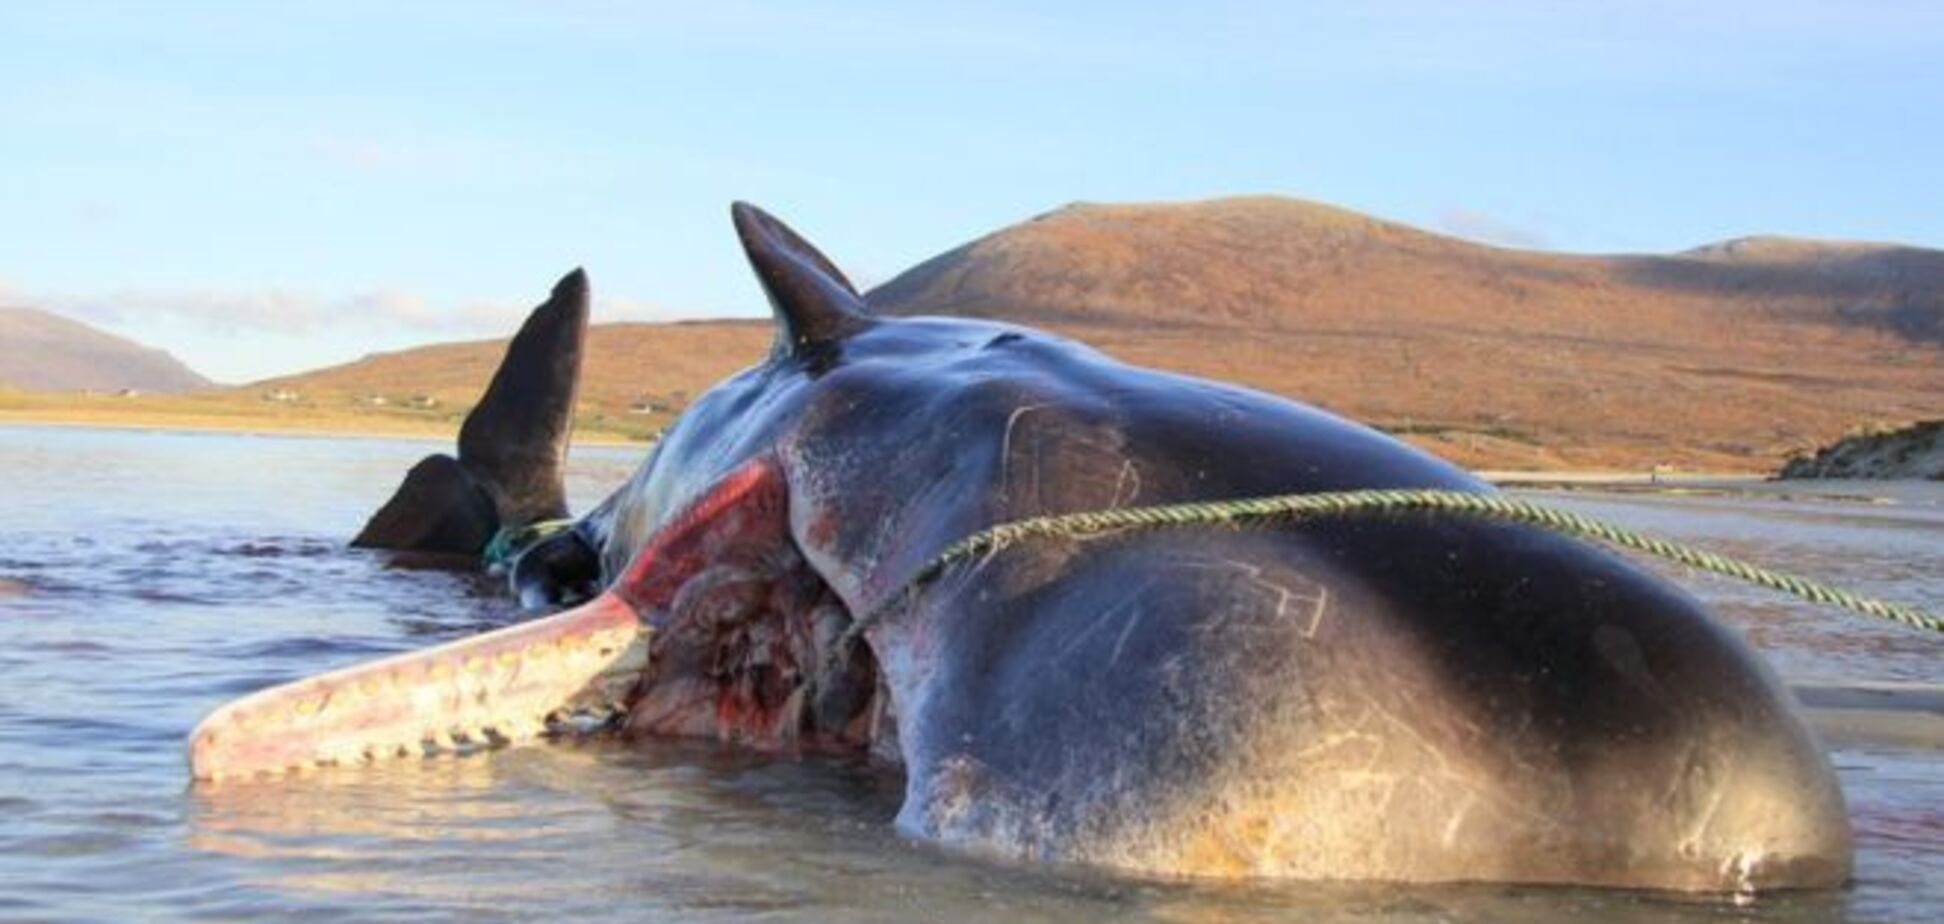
x=146 y=577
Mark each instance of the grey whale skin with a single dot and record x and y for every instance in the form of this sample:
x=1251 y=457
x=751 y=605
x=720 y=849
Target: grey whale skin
x=1398 y=697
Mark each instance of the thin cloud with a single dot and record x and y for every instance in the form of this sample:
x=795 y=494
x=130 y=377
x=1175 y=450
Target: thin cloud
x=622 y=308
x=360 y=154
x=245 y=335
x=286 y=312
x=444 y=154
x=1478 y=226
x=271 y=310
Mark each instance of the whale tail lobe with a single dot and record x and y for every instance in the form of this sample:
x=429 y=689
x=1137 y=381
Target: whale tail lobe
x=512 y=446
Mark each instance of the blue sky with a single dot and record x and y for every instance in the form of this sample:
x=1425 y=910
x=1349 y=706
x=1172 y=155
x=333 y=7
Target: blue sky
x=267 y=187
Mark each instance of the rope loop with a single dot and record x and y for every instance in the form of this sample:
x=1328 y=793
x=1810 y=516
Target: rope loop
x=509 y=542
x=1298 y=507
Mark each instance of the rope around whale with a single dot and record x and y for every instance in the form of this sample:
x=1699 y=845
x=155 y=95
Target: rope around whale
x=1298 y=507
x=508 y=543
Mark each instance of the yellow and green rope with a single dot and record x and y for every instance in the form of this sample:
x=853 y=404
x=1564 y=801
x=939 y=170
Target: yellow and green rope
x=1297 y=507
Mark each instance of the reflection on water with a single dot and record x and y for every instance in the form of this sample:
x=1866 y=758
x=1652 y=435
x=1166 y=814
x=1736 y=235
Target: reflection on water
x=1892 y=550
x=144 y=578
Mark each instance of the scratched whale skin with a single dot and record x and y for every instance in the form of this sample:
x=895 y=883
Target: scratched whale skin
x=1401 y=697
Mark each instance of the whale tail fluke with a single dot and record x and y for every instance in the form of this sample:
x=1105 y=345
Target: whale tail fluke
x=512 y=446
x=439 y=508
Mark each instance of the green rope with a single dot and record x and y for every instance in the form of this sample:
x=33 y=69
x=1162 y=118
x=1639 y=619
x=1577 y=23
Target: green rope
x=1293 y=507
x=509 y=542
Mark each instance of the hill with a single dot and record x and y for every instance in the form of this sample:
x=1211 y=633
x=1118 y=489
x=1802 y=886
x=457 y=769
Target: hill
x=637 y=376
x=1730 y=357
x=41 y=351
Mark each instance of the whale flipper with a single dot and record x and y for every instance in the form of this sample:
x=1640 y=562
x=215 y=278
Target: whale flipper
x=512 y=446
x=439 y=508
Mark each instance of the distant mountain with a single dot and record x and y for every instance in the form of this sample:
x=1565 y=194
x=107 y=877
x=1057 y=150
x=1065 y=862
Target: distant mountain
x=1266 y=262
x=1730 y=357
x=40 y=351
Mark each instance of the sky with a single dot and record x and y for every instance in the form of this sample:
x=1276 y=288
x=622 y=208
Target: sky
x=262 y=188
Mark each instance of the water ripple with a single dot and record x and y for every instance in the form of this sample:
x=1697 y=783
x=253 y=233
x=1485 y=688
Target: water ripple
x=131 y=611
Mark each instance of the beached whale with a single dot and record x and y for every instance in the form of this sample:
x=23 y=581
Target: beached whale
x=1403 y=697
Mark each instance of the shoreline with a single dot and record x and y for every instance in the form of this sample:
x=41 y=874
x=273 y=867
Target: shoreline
x=1609 y=478
x=196 y=425
x=199 y=424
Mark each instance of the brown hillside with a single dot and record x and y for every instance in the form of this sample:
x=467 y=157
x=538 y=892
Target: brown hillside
x=1727 y=357
x=1724 y=358
x=47 y=352
x=637 y=375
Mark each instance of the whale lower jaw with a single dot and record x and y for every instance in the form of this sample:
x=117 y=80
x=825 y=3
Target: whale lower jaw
x=718 y=629
x=513 y=685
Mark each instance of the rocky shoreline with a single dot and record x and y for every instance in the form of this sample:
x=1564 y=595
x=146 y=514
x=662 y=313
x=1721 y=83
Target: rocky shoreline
x=1914 y=451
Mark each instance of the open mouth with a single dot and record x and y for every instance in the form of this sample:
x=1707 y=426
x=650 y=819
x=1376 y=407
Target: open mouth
x=719 y=628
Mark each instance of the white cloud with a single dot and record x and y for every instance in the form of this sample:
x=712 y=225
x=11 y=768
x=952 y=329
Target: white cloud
x=290 y=312
x=622 y=308
x=283 y=311
x=443 y=155
x=272 y=310
x=362 y=154
x=240 y=335
x=1478 y=226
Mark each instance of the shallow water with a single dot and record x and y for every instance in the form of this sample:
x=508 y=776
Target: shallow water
x=147 y=577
